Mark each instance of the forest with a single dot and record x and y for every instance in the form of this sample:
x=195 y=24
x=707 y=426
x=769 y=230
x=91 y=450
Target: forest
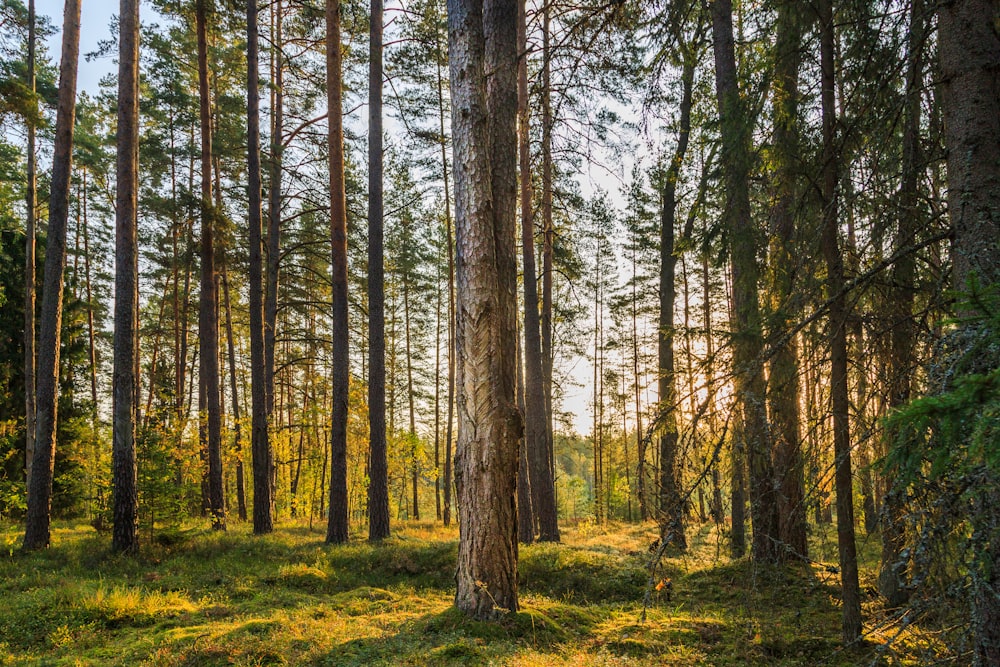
x=590 y=332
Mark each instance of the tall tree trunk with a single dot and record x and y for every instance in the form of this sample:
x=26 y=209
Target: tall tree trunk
x=208 y=310
x=36 y=533
x=241 y=497
x=671 y=506
x=437 y=392
x=596 y=434
x=378 y=486
x=452 y=349
x=747 y=335
x=640 y=441
x=337 y=529
x=838 y=338
x=414 y=461
x=31 y=196
x=737 y=497
x=274 y=206
x=525 y=511
x=548 y=231
x=543 y=499
x=260 y=445
x=969 y=50
x=91 y=330
x=900 y=300
x=483 y=39
x=126 y=500
x=783 y=389
x=710 y=382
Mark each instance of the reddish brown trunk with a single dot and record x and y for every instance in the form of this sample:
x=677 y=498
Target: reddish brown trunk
x=36 y=534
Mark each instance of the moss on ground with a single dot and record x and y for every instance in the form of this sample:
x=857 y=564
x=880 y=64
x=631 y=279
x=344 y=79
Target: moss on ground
x=197 y=597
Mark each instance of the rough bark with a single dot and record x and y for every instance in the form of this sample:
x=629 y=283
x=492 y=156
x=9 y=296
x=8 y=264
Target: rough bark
x=969 y=50
x=337 y=521
x=839 y=311
x=125 y=536
x=482 y=40
x=671 y=505
x=36 y=533
x=208 y=309
x=747 y=335
x=783 y=389
x=260 y=446
x=543 y=498
x=378 y=486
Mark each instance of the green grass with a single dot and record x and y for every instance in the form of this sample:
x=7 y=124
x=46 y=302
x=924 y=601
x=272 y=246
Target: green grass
x=197 y=597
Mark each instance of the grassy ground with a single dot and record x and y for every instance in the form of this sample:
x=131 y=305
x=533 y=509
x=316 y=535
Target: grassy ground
x=196 y=597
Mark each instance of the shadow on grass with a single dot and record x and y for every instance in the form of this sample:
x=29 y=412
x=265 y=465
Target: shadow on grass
x=451 y=638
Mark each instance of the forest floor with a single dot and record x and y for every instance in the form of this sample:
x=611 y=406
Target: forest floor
x=197 y=597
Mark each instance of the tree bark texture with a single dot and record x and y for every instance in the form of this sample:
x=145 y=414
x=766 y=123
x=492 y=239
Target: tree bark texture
x=208 y=308
x=125 y=536
x=747 y=335
x=337 y=523
x=671 y=505
x=783 y=376
x=260 y=446
x=483 y=50
x=378 y=485
x=543 y=497
x=969 y=50
x=36 y=533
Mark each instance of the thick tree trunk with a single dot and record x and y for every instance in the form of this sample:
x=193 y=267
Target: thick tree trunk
x=337 y=529
x=747 y=335
x=123 y=461
x=208 y=309
x=838 y=339
x=671 y=507
x=31 y=197
x=969 y=50
x=260 y=446
x=36 y=533
x=378 y=486
x=483 y=39
x=543 y=499
x=783 y=376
